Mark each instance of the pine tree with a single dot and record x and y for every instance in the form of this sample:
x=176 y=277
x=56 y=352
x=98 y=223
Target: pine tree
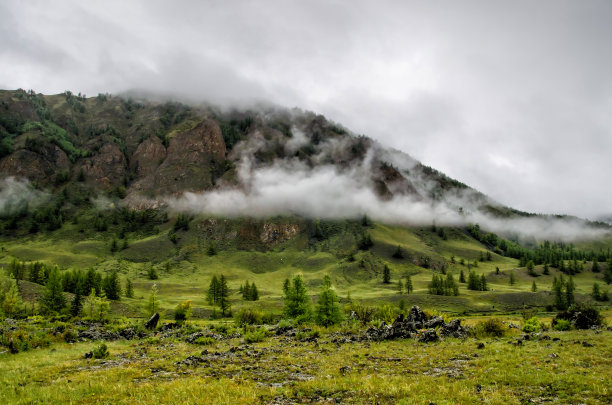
x=386 y=275
x=223 y=295
x=461 y=276
x=408 y=285
x=254 y=292
x=111 y=286
x=398 y=254
x=483 y=283
x=512 y=280
x=212 y=250
x=297 y=301
x=546 y=271
x=569 y=292
x=595 y=268
x=596 y=294
x=328 y=308
x=53 y=299
x=213 y=291
x=76 y=305
x=129 y=289
x=557 y=289
x=400 y=286
x=534 y=287
x=246 y=291
x=531 y=268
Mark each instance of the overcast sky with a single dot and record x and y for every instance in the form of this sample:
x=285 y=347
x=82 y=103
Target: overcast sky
x=513 y=98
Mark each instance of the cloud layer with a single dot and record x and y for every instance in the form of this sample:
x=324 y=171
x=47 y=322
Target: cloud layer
x=512 y=98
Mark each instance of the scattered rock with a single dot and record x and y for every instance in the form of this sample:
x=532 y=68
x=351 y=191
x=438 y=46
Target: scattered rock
x=345 y=369
x=587 y=344
x=191 y=361
x=453 y=329
x=88 y=355
x=152 y=322
x=428 y=336
x=434 y=322
x=480 y=345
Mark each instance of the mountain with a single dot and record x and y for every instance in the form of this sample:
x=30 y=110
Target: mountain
x=260 y=161
x=260 y=193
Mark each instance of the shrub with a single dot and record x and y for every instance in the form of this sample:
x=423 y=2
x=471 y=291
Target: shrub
x=182 y=311
x=100 y=352
x=364 y=313
x=581 y=316
x=204 y=340
x=258 y=335
x=531 y=325
x=248 y=316
x=70 y=336
x=490 y=327
x=308 y=334
x=561 y=324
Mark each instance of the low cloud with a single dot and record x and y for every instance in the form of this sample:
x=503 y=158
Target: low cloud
x=18 y=195
x=332 y=191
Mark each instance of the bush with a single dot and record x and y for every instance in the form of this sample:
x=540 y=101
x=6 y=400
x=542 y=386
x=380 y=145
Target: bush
x=248 y=316
x=258 y=335
x=491 y=327
x=100 y=352
x=204 y=340
x=581 y=316
x=531 y=325
x=561 y=324
x=70 y=336
x=182 y=311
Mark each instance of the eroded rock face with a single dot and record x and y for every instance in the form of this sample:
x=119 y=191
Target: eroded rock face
x=106 y=169
x=189 y=159
x=148 y=157
x=274 y=233
x=38 y=167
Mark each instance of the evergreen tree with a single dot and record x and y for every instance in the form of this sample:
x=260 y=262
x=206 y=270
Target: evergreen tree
x=129 y=289
x=512 y=280
x=254 y=292
x=223 y=299
x=450 y=287
x=483 y=283
x=569 y=292
x=473 y=281
x=286 y=286
x=461 y=276
x=408 y=285
x=328 y=308
x=53 y=299
x=546 y=271
x=608 y=275
x=400 y=286
x=595 y=267
x=111 y=286
x=76 y=305
x=213 y=291
x=297 y=301
x=557 y=289
x=212 y=250
x=386 y=275
x=596 y=294
x=398 y=254
x=531 y=268
x=534 y=287
x=365 y=242
x=152 y=273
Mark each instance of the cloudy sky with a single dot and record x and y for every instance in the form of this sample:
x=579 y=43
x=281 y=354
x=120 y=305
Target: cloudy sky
x=511 y=97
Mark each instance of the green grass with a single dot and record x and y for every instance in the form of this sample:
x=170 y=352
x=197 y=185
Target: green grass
x=404 y=371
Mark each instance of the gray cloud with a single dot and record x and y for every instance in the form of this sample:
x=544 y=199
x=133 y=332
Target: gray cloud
x=512 y=98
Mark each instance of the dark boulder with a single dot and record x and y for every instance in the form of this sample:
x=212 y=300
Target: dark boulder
x=434 y=322
x=428 y=336
x=453 y=329
x=152 y=322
